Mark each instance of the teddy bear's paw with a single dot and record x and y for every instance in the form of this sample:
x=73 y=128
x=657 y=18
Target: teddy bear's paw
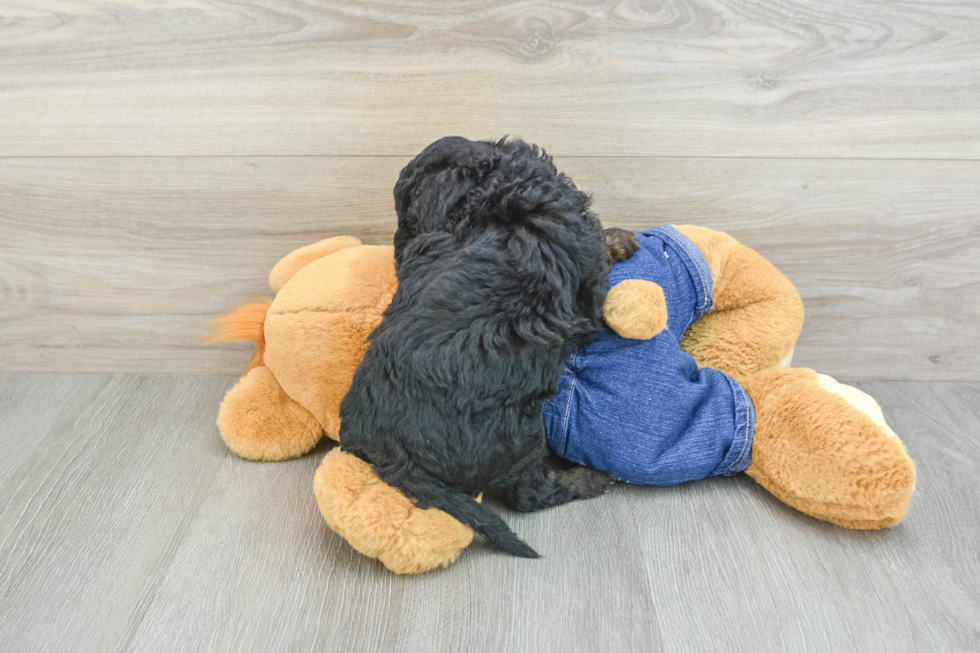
x=381 y=522
x=636 y=309
x=259 y=421
x=858 y=399
x=824 y=448
x=787 y=360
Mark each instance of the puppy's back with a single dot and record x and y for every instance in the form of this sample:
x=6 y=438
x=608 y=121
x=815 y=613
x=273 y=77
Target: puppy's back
x=502 y=270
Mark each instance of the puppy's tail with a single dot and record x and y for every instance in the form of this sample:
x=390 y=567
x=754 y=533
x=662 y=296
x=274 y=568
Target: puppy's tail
x=432 y=492
x=247 y=322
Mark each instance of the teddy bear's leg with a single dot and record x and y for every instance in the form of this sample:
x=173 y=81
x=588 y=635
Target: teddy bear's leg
x=258 y=421
x=825 y=449
x=380 y=522
x=757 y=314
x=296 y=260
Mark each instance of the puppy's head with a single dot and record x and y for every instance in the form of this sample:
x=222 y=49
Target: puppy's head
x=508 y=196
x=461 y=187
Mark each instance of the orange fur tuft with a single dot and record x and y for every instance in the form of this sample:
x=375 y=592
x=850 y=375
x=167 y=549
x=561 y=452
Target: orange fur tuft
x=245 y=323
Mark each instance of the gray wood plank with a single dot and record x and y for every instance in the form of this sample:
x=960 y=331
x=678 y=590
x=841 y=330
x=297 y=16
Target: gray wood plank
x=31 y=405
x=122 y=262
x=742 y=566
x=259 y=571
x=93 y=516
x=116 y=265
x=588 y=591
x=886 y=254
x=129 y=527
x=679 y=78
x=941 y=424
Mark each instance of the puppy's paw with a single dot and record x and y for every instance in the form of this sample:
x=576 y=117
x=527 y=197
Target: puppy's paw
x=584 y=482
x=622 y=244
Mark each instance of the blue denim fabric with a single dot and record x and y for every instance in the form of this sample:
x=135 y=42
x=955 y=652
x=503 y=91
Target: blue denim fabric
x=641 y=410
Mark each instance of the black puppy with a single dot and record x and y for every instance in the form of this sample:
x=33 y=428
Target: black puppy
x=502 y=272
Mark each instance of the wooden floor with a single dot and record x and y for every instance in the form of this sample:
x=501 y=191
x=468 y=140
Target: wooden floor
x=125 y=525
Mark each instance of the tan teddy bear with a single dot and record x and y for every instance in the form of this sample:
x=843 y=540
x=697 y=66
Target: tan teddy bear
x=820 y=446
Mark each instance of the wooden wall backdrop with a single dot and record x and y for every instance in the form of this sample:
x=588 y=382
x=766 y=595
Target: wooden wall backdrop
x=157 y=158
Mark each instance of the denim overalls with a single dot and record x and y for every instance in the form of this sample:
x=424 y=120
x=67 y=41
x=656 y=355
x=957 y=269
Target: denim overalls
x=641 y=410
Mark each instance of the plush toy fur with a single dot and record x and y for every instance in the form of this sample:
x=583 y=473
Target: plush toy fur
x=385 y=524
x=819 y=446
x=312 y=341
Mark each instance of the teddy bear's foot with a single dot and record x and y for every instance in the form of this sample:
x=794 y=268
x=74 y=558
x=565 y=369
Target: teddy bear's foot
x=636 y=309
x=380 y=522
x=259 y=421
x=824 y=448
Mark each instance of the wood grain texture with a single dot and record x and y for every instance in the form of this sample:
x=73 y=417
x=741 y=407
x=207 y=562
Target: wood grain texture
x=116 y=265
x=129 y=527
x=91 y=519
x=886 y=254
x=837 y=78
x=785 y=583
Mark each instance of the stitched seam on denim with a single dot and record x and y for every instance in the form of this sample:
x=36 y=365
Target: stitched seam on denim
x=564 y=426
x=568 y=409
x=696 y=258
x=668 y=231
x=745 y=442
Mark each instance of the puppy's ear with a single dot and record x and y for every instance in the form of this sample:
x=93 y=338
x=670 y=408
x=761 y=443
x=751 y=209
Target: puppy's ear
x=591 y=295
x=593 y=265
x=431 y=185
x=427 y=205
x=447 y=152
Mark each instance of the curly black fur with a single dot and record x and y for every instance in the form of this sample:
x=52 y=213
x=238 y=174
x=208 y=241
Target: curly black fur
x=502 y=271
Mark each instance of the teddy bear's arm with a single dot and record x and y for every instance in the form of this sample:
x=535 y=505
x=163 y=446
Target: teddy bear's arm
x=296 y=260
